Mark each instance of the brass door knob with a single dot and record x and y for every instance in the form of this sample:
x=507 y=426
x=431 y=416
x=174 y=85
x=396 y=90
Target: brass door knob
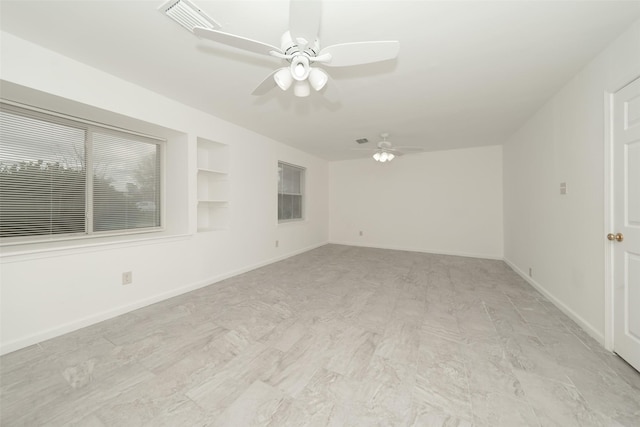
x=619 y=237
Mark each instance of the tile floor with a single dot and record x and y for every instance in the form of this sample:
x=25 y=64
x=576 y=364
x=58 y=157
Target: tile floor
x=338 y=336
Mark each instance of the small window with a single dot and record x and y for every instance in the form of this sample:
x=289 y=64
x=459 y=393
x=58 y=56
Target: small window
x=290 y=192
x=45 y=187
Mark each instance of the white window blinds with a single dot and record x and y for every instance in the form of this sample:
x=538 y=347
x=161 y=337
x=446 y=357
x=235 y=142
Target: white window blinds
x=44 y=187
x=290 y=192
x=126 y=182
x=42 y=177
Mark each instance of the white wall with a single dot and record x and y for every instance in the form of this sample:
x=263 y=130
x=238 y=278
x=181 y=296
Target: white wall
x=562 y=237
x=46 y=292
x=447 y=202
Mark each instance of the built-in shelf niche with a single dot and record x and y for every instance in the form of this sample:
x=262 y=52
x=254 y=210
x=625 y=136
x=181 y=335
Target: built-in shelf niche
x=213 y=216
x=213 y=185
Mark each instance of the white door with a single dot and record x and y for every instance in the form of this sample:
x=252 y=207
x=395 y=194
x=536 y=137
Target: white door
x=625 y=236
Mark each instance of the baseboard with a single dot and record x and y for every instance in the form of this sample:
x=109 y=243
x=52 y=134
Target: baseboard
x=421 y=250
x=56 y=331
x=586 y=326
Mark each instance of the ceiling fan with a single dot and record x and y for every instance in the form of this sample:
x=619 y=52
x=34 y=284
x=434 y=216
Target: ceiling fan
x=385 y=151
x=300 y=48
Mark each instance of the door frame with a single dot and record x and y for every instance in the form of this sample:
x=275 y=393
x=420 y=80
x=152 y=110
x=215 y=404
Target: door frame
x=609 y=311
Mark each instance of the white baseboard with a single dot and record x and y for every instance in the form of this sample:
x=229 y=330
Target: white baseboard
x=421 y=250
x=56 y=331
x=588 y=328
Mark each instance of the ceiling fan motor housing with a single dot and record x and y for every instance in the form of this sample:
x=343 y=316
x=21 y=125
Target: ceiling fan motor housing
x=300 y=67
x=291 y=47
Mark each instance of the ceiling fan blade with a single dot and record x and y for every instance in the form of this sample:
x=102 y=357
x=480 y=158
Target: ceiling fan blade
x=235 y=41
x=407 y=148
x=304 y=21
x=266 y=85
x=346 y=54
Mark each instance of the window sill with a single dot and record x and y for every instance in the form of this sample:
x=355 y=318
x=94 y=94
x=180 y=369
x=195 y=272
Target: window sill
x=28 y=251
x=292 y=221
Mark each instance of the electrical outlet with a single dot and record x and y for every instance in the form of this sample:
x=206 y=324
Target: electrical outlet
x=361 y=233
x=563 y=188
x=127 y=278
x=277 y=243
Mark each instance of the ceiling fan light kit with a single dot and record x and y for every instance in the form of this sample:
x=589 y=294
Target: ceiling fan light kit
x=318 y=78
x=299 y=46
x=300 y=67
x=383 y=156
x=283 y=78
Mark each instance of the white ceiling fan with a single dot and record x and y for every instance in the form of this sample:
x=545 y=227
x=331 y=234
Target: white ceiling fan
x=300 y=47
x=385 y=151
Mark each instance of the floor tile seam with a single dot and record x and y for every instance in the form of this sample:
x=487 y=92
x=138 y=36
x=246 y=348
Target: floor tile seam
x=535 y=414
x=442 y=336
x=515 y=307
x=415 y=402
x=566 y=326
x=101 y=403
x=611 y=371
x=516 y=369
x=543 y=378
x=493 y=323
x=60 y=370
x=523 y=400
x=619 y=375
x=225 y=367
x=111 y=342
x=413 y=366
x=203 y=409
x=591 y=407
x=468 y=382
x=588 y=404
x=539 y=418
x=467 y=388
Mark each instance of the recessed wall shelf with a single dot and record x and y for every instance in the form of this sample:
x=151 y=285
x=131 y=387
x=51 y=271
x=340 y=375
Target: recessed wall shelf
x=213 y=185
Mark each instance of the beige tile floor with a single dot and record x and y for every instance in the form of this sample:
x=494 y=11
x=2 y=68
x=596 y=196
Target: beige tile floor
x=338 y=336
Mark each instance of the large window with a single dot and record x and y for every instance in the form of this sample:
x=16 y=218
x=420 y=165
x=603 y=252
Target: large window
x=290 y=192
x=45 y=187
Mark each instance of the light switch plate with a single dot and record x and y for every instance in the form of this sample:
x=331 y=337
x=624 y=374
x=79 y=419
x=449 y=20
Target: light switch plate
x=563 y=188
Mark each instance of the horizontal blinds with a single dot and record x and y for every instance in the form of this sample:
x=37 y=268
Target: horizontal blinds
x=42 y=176
x=45 y=187
x=290 y=191
x=126 y=182
x=290 y=181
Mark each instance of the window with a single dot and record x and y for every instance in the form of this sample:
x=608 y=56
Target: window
x=290 y=192
x=45 y=190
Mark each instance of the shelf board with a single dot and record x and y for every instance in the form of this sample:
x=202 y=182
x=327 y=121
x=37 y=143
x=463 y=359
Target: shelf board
x=213 y=171
x=213 y=202
x=209 y=229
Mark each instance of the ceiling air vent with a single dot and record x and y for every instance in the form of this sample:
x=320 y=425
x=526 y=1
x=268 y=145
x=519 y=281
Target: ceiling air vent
x=362 y=140
x=188 y=15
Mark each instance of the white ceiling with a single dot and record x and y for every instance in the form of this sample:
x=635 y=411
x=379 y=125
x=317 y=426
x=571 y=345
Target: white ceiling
x=468 y=73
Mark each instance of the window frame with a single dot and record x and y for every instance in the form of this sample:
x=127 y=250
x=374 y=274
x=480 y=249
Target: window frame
x=303 y=198
x=90 y=127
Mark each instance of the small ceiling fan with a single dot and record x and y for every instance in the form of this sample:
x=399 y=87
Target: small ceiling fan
x=300 y=47
x=385 y=151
